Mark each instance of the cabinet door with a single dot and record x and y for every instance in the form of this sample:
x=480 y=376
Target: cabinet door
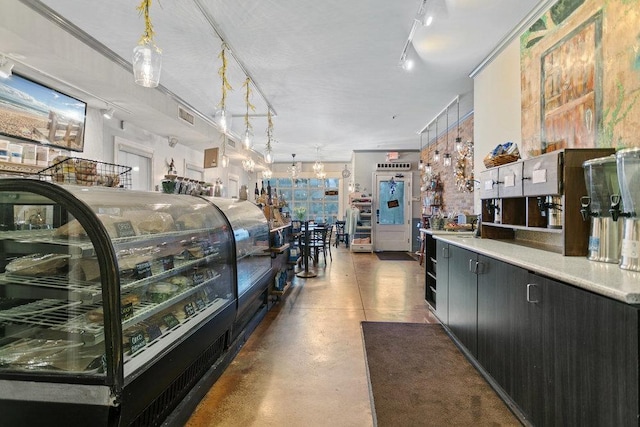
x=463 y=296
x=510 y=180
x=509 y=332
x=489 y=184
x=542 y=175
x=590 y=358
x=441 y=255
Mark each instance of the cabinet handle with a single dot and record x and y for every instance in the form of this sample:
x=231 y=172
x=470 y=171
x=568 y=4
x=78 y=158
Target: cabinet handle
x=476 y=268
x=529 y=286
x=470 y=265
x=445 y=252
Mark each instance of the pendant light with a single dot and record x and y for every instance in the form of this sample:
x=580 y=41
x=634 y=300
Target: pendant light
x=447 y=157
x=224 y=159
x=268 y=154
x=147 y=57
x=427 y=167
x=318 y=166
x=222 y=117
x=247 y=139
x=421 y=163
x=436 y=155
x=459 y=144
x=293 y=170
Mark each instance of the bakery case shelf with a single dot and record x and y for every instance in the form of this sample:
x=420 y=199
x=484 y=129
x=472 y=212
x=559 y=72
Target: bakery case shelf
x=122 y=294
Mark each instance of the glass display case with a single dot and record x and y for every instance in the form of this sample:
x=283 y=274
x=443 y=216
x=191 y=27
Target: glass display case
x=113 y=303
x=253 y=260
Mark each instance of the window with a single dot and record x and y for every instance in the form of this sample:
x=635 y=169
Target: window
x=311 y=194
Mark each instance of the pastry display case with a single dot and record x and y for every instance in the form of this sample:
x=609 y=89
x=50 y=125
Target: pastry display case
x=253 y=257
x=114 y=303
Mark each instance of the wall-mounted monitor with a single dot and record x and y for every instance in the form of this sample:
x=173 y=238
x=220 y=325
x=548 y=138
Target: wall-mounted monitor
x=33 y=112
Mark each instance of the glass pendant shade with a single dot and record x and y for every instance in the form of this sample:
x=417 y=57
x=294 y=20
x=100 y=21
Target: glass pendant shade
x=447 y=160
x=421 y=165
x=427 y=168
x=436 y=156
x=459 y=145
x=247 y=139
x=147 y=64
x=268 y=157
x=222 y=119
x=267 y=174
x=225 y=161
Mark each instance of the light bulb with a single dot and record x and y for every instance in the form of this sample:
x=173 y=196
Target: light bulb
x=223 y=119
x=247 y=139
x=268 y=157
x=225 y=161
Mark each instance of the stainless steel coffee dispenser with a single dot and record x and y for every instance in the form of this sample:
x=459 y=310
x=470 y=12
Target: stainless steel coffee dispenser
x=601 y=179
x=628 y=166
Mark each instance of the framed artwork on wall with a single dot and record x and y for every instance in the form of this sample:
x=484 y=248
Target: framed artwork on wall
x=211 y=158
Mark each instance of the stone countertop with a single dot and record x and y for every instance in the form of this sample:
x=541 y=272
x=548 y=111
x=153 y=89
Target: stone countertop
x=598 y=277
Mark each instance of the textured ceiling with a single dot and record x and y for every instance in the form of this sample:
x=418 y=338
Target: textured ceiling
x=329 y=69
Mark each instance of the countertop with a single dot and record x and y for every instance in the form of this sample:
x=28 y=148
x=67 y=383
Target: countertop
x=598 y=277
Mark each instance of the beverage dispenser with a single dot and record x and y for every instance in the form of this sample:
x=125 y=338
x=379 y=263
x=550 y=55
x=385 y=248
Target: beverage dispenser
x=627 y=205
x=601 y=179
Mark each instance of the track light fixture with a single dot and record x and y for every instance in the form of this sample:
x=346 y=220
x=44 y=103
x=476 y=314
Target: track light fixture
x=108 y=113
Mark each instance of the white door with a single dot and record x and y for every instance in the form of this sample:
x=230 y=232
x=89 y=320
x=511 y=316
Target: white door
x=392 y=222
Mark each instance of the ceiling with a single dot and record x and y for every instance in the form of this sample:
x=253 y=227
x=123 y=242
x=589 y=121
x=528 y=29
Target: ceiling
x=328 y=69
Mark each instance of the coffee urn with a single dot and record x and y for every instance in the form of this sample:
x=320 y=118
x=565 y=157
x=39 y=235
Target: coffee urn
x=601 y=179
x=628 y=166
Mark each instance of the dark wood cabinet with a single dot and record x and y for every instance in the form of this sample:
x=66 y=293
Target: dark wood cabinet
x=463 y=296
x=441 y=265
x=564 y=355
x=590 y=358
x=510 y=333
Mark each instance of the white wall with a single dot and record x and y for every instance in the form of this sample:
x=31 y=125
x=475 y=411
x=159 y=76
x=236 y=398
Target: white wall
x=497 y=105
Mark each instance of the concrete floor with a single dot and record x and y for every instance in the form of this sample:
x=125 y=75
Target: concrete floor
x=304 y=365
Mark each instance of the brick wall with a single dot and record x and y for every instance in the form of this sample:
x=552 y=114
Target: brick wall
x=453 y=200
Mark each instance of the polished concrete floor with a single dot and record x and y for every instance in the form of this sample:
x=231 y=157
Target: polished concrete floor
x=304 y=365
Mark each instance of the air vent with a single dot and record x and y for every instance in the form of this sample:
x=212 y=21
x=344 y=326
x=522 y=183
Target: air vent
x=186 y=116
x=393 y=166
x=231 y=143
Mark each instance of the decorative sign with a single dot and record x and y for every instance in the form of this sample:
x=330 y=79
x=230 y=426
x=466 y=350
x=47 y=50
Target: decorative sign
x=167 y=262
x=124 y=229
x=393 y=203
x=539 y=176
x=200 y=303
x=488 y=184
x=510 y=181
x=143 y=270
x=189 y=310
x=330 y=192
x=170 y=320
x=211 y=158
x=126 y=311
x=153 y=331
x=137 y=341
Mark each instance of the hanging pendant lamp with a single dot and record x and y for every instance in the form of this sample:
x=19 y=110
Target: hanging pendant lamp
x=147 y=57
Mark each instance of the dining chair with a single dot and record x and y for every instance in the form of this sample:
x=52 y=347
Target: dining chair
x=341 y=234
x=321 y=243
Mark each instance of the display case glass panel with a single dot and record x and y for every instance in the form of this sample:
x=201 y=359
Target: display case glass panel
x=251 y=232
x=171 y=270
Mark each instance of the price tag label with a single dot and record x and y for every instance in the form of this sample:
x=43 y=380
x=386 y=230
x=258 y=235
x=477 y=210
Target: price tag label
x=189 y=310
x=167 y=262
x=124 y=229
x=198 y=277
x=510 y=181
x=143 y=270
x=153 y=331
x=137 y=341
x=200 y=303
x=126 y=311
x=170 y=320
x=539 y=176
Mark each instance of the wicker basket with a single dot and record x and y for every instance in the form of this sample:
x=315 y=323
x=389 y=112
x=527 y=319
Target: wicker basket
x=499 y=160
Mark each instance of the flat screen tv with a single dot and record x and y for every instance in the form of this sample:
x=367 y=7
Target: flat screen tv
x=32 y=112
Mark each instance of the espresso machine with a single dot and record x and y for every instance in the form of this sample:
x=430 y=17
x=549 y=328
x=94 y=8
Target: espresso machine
x=601 y=179
x=628 y=166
